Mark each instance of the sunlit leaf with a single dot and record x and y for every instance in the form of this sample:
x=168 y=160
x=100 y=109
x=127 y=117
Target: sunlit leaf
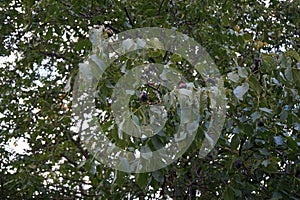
x=240 y=91
x=278 y=140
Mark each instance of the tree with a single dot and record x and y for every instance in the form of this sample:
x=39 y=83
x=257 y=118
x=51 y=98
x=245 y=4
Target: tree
x=254 y=44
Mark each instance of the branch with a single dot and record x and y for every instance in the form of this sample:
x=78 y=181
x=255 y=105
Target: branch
x=54 y=54
x=160 y=7
x=241 y=146
x=127 y=14
x=69 y=159
x=84 y=152
x=113 y=28
x=155 y=89
x=78 y=144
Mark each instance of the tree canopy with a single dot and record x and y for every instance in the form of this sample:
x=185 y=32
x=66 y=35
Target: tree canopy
x=254 y=44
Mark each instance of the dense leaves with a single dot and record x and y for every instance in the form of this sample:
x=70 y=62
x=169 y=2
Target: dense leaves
x=254 y=44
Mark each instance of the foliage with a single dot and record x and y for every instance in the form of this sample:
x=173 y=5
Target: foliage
x=256 y=48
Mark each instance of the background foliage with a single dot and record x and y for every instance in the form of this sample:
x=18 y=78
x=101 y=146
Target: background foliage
x=254 y=44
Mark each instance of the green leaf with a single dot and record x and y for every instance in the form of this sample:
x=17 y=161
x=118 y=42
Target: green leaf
x=233 y=76
x=292 y=143
x=120 y=178
x=175 y=58
x=129 y=45
x=235 y=142
x=255 y=85
x=264 y=152
x=276 y=195
x=141 y=43
x=255 y=116
x=154 y=53
x=142 y=180
x=248 y=36
x=47 y=47
x=247 y=128
x=157 y=143
x=284 y=115
x=81 y=44
x=296 y=76
x=278 y=140
x=124 y=164
x=228 y=193
x=135 y=120
x=155 y=43
x=158 y=176
x=265 y=163
x=240 y=91
x=293 y=54
x=242 y=72
x=146 y=152
x=267 y=110
x=237 y=192
x=288 y=74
